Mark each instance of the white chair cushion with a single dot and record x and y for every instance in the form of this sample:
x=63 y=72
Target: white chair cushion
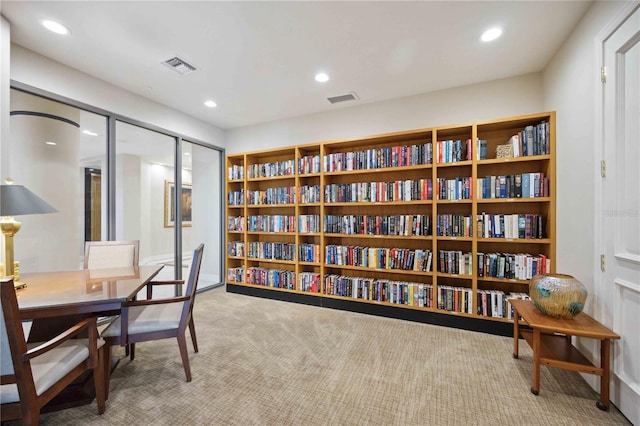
x=51 y=366
x=143 y=319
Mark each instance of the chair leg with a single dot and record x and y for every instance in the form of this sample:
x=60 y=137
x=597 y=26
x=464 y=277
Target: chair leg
x=132 y=350
x=192 y=331
x=182 y=344
x=30 y=415
x=107 y=368
x=98 y=379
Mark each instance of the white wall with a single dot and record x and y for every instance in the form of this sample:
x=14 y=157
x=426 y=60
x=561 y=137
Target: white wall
x=5 y=55
x=485 y=101
x=35 y=70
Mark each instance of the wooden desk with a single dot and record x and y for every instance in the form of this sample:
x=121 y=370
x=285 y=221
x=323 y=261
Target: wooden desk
x=56 y=301
x=550 y=339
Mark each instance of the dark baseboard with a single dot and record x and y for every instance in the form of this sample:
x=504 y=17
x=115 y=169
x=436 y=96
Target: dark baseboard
x=426 y=317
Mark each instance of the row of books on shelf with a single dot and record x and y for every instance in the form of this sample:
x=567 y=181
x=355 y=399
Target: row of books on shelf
x=276 y=278
x=453 y=151
x=271 y=223
x=400 y=190
x=277 y=168
x=459 y=188
x=271 y=250
x=455 y=299
x=490 y=303
x=495 y=303
x=525 y=185
x=309 y=164
x=235 y=172
x=455 y=262
x=309 y=252
x=309 y=194
x=454 y=225
x=309 y=282
x=508 y=226
x=235 y=198
x=511 y=226
x=235 y=223
x=377 y=158
x=379 y=258
x=272 y=196
x=512 y=266
x=235 y=248
x=394 y=225
x=532 y=140
x=308 y=223
x=379 y=290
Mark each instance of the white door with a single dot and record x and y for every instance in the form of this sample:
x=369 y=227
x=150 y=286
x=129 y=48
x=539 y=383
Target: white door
x=619 y=286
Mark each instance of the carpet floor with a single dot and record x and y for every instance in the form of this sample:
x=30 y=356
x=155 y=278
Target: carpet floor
x=266 y=362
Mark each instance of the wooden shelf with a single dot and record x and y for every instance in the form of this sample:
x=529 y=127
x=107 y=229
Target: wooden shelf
x=385 y=149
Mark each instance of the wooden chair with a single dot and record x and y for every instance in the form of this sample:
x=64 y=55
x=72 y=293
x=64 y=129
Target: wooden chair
x=111 y=254
x=153 y=319
x=32 y=376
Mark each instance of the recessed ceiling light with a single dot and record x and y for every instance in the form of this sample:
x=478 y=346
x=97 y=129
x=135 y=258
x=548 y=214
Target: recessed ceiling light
x=491 y=34
x=55 y=27
x=89 y=132
x=211 y=104
x=187 y=153
x=322 y=77
x=50 y=143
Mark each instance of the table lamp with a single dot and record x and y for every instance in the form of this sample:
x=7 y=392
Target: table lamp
x=17 y=200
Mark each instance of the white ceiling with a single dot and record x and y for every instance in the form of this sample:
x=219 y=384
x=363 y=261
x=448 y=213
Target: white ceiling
x=257 y=60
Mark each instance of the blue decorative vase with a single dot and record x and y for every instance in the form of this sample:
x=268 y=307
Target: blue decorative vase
x=558 y=295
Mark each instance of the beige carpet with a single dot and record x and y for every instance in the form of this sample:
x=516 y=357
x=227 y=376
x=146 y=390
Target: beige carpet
x=265 y=362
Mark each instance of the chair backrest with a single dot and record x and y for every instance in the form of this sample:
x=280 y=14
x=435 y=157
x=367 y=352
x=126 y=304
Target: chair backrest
x=192 y=283
x=111 y=254
x=12 y=340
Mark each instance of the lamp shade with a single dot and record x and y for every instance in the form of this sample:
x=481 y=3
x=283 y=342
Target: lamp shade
x=16 y=200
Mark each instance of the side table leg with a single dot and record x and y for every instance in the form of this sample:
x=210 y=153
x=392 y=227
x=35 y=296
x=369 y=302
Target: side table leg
x=516 y=333
x=535 y=389
x=605 y=353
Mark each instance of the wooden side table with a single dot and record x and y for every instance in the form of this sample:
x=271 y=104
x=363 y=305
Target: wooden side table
x=550 y=339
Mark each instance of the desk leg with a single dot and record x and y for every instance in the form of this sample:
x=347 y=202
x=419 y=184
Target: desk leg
x=605 y=353
x=516 y=333
x=535 y=389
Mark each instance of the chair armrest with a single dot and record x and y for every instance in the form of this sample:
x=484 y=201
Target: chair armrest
x=155 y=301
x=66 y=335
x=166 y=282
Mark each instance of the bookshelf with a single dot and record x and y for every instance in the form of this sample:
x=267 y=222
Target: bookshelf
x=438 y=225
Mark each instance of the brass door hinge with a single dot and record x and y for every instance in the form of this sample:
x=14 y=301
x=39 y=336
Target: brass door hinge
x=603 y=74
x=603 y=168
x=602 y=263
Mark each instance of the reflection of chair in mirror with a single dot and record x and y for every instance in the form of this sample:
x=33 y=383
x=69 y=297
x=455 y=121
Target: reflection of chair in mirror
x=111 y=254
x=154 y=319
x=32 y=376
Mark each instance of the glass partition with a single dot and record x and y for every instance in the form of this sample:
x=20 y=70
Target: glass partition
x=58 y=152
x=201 y=178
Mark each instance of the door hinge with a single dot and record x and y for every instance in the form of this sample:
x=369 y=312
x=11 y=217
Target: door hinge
x=603 y=168
x=603 y=74
x=602 y=263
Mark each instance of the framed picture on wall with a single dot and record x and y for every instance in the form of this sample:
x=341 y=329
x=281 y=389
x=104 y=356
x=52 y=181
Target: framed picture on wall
x=169 y=204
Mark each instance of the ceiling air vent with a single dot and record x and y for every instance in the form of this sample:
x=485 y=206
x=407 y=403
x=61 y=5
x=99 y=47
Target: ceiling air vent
x=351 y=96
x=179 y=65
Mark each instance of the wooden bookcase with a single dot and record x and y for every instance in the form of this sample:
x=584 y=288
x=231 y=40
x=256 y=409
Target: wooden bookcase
x=354 y=221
